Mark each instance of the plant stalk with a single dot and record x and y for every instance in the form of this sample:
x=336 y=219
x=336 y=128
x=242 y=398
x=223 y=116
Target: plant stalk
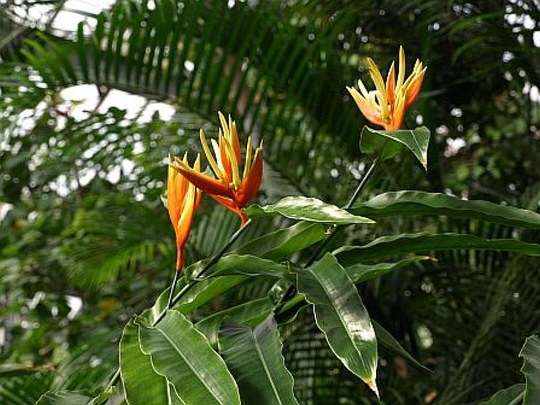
x=335 y=232
x=208 y=266
x=173 y=288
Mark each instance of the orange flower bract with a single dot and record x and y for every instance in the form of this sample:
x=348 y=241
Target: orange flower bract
x=387 y=104
x=183 y=200
x=232 y=187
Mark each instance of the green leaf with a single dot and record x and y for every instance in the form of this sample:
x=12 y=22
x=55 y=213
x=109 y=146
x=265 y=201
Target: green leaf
x=204 y=291
x=282 y=243
x=421 y=203
x=104 y=397
x=183 y=355
x=508 y=396
x=341 y=315
x=531 y=368
x=249 y=314
x=194 y=296
x=307 y=209
x=364 y=272
x=389 y=143
x=141 y=383
x=423 y=242
x=246 y=265
x=64 y=398
x=255 y=360
x=386 y=339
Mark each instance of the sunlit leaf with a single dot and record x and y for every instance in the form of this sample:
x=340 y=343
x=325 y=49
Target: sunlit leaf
x=307 y=209
x=341 y=315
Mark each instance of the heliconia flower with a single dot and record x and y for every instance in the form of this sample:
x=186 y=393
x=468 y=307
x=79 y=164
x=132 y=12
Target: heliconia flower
x=386 y=105
x=232 y=188
x=183 y=200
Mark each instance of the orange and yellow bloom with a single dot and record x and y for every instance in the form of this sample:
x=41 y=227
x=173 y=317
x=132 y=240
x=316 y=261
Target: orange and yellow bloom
x=183 y=200
x=232 y=187
x=386 y=105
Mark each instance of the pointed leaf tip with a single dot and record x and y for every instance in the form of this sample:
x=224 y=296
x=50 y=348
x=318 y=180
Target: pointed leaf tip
x=372 y=384
x=388 y=144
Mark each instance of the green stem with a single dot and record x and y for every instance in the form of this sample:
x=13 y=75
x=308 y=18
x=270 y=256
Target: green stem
x=113 y=380
x=173 y=288
x=324 y=244
x=207 y=267
x=362 y=184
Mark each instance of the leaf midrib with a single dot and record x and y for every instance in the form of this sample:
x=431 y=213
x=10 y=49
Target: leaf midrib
x=341 y=320
x=188 y=363
x=265 y=367
x=417 y=144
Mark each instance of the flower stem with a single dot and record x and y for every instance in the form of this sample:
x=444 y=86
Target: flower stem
x=173 y=288
x=362 y=184
x=113 y=380
x=208 y=266
x=335 y=232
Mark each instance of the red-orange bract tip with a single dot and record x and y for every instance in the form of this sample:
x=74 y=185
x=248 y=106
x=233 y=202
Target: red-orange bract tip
x=183 y=200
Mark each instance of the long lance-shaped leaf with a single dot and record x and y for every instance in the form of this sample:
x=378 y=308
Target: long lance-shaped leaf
x=386 y=339
x=341 y=315
x=307 y=209
x=509 y=396
x=141 y=383
x=531 y=368
x=195 y=296
x=206 y=290
x=254 y=358
x=247 y=265
x=364 y=272
x=422 y=242
x=421 y=203
x=387 y=144
x=249 y=314
x=280 y=244
x=183 y=355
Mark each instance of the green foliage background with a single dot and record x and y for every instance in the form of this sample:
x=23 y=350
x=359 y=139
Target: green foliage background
x=280 y=68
